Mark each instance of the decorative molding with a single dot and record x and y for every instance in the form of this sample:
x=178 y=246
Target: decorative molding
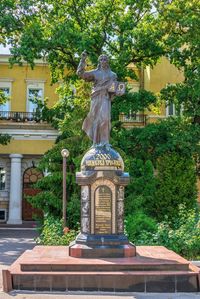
x=4 y=59
x=7 y=79
x=35 y=81
x=23 y=134
x=155 y=116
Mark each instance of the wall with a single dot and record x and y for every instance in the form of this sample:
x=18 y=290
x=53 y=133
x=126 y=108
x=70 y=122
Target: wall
x=19 y=85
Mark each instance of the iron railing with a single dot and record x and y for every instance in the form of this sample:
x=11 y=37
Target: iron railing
x=20 y=116
x=139 y=119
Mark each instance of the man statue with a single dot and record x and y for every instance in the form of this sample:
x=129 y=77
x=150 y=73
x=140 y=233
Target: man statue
x=97 y=123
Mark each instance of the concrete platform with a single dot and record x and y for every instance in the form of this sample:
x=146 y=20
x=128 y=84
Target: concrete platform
x=50 y=268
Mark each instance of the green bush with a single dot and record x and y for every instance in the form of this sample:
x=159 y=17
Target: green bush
x=176 y=185
x=51 y=233
x=140 y=192
x=137 y=223
x=183 y=236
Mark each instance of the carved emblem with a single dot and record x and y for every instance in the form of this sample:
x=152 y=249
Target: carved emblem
x=85 y=208
x=85 y=193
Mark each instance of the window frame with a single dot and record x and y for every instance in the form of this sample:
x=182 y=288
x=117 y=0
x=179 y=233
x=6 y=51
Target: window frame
x=37 y=85
x=167 y=109
x=8 y=85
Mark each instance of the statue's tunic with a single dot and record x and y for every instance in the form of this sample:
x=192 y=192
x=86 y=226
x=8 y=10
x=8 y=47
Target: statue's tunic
x=97 y=123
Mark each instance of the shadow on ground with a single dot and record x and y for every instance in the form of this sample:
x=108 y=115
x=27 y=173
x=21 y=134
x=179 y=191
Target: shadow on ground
x=13 y=243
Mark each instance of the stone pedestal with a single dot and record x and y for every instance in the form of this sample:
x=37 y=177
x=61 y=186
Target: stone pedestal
x=102 y=180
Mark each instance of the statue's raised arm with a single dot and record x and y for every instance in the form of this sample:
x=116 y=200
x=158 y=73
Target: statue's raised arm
x=97 y=124
x=82 y=64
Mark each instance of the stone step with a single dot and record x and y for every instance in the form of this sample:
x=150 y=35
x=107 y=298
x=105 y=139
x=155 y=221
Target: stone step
x=130 y=281
x=50 y=268
x=55 y=258
x=55 y=267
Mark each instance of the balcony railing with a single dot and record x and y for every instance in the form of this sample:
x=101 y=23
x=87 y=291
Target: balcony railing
x=136 y=119
x=20 y=116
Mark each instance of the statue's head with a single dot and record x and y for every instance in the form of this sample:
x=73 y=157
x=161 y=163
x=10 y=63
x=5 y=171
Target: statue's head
x=103 y=61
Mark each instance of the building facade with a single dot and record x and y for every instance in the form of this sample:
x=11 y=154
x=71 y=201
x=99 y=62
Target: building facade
x=31 y=137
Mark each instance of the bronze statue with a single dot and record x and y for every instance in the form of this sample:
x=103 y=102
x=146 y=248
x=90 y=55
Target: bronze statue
x=97 y=123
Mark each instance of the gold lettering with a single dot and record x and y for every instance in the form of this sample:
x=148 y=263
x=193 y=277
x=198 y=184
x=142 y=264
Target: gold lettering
x=103 y=163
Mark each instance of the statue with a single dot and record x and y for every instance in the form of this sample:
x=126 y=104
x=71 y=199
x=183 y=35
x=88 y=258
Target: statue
x=97 y=124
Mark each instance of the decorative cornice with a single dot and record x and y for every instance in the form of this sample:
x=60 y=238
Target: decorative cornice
x=7 y=79
x=4 y=59
x=28 y=134
x=33 y=81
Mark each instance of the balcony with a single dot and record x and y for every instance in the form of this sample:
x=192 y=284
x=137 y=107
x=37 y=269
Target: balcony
x=16 y=116
x=133 y=120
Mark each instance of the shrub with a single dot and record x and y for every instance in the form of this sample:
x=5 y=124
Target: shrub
x=140 y=193
x=137 y=223
x=52 y=233
x=183 y=236
x=176 y=185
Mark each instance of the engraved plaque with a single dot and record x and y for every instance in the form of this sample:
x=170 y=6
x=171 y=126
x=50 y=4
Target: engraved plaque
x=103 y=209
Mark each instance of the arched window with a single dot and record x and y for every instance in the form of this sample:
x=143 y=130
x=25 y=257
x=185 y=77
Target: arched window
x=31 y=176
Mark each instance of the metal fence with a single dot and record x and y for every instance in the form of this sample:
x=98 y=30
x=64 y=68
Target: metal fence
x=133 y=118
x=20 y=116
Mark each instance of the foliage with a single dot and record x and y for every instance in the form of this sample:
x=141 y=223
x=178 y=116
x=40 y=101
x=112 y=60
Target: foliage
x=172 y=135
x=140 y=192
x=132 y=101
x=50 y=197
x=131 y=32
x=126 y=31
x=158 y=192
x=183 y=41
x=176 y=185
x=4 y=139
x=52 y=233
x=137 y=224
x=183 y=236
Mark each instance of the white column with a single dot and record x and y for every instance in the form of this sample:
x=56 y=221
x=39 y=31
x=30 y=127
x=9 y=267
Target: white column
x=15 y=203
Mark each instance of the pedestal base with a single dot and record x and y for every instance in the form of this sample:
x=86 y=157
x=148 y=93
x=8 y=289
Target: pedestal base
x=14 y=221
x=83 y=251
x=51 y=269
x=98 y=246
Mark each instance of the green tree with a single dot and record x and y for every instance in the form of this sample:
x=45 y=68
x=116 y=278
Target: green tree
x=182 y=21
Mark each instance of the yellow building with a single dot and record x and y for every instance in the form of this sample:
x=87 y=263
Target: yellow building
x=153 y=79
x=30 y=137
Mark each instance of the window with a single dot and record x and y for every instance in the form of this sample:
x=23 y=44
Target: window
x=34 y=94
x=134 y=86
x=3 y=215
x=5 y=88
x=35 y=91
x=170 y=110
x=2 y=178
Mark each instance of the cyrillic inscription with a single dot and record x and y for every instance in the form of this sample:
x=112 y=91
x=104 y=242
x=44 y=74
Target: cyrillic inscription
x=103 y=208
